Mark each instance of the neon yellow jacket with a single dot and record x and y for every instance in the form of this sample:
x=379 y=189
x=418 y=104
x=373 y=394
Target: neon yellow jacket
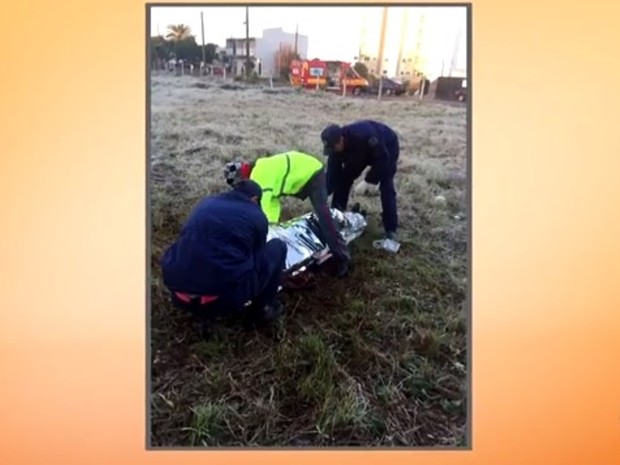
x=282 y=174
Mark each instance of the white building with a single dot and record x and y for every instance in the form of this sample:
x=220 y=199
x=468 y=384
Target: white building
x=432 y=41
x=272 y=40
x=235 y=51
x=263 y=50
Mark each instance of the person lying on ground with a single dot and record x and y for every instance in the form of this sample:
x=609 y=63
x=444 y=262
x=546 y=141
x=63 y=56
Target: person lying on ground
x=299 y=175
x=222 y=259
x=350 y=150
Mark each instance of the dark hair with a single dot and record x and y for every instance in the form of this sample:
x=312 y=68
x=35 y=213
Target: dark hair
x=249 y=188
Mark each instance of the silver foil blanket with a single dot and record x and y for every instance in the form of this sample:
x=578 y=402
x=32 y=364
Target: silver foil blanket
x=304 y=240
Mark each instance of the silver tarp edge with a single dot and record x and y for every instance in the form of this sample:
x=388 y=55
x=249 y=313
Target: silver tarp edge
x=303 y=241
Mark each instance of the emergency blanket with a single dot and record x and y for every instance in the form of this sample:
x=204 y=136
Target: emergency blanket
x=304 y=241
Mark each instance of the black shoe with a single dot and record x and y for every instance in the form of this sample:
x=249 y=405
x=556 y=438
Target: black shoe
x=260 y=317
x=271 y=312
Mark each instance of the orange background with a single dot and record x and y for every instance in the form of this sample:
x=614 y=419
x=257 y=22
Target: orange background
x=546 y=224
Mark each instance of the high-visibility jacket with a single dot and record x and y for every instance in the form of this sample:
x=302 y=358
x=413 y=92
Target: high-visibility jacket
x=282 y=174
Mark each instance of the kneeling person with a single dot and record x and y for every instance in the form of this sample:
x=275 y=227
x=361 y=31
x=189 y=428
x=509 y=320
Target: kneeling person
x=298 y=175
x=222 y=259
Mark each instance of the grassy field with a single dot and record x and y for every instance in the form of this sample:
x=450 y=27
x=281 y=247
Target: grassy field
x=376 y=359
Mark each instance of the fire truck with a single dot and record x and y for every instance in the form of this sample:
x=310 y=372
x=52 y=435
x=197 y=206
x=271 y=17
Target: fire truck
x=335 y=76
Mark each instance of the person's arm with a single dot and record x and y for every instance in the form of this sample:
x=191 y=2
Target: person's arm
x=262 y=229
x=379 y=158
x=270 y=203
x=270 y=206
x=333 y=174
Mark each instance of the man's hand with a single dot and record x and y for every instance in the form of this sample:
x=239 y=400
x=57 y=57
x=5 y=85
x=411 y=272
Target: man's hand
x=363 y=188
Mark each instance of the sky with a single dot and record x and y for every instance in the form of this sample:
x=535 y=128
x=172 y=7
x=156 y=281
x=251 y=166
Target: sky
x=334 y=33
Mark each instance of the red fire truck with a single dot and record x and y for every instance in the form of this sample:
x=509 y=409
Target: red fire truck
x=336 y=76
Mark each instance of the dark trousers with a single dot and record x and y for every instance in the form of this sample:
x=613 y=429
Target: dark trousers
x=316 y=190
x=270 y=264
x=259 y=286
x=389 y=213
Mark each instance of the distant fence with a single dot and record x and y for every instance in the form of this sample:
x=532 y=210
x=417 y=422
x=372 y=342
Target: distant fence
x=178 y=68
x=443 y=88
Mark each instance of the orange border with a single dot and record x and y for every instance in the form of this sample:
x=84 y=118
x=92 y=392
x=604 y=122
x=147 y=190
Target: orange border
x=545 y=265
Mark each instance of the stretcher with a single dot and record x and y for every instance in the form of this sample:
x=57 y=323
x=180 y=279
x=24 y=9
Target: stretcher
x=306 y=246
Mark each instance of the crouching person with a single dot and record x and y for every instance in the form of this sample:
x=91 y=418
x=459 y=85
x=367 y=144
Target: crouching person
x=222 y=259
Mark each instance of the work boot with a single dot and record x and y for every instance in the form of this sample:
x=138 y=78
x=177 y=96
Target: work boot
x=391 y=235
x=258 y=317
x=271 y=312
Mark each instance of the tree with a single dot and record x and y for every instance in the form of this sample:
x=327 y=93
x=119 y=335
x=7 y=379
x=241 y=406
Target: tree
x=160 y=51
x=210 y=52
x=187 y=49
x=361 y=69
x=282 y=60
x=364 y=72
x=178 y=32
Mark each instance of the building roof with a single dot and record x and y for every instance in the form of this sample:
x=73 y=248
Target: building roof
x=240 y=38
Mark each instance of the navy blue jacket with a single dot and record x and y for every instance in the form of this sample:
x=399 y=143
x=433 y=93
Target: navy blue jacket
x=367 y=143
x=217 y=246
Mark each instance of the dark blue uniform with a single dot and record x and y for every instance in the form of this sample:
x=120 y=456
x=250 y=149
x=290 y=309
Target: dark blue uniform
x=367 y=143
x=222 y=251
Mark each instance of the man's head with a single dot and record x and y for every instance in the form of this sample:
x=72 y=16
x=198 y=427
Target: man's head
x=333 y=139
x=237 y=171
x=250 y=189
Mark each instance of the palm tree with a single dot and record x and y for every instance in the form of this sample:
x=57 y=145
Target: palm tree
x=160 y=51
x=178 y=32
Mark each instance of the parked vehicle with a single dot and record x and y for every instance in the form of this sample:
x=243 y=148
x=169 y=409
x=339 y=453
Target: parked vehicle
x=388 y=87
x=328 y=75
x=417 y=83
x=461 y=94
x=451 y=88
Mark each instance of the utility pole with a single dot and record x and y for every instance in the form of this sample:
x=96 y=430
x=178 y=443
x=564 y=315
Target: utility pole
x=204 y=54
x=403 y=35
x=382 y=42
x=362 y=46
x=456 y=50
x=247 y=41
x=278 y=64
x=296 y=35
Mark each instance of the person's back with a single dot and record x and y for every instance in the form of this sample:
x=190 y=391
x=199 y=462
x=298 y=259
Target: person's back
x=366 y=127
x=217 y=245
x=361 y=137
x=285 y=173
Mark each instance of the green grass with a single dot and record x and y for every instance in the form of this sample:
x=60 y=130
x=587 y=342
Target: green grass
x=376 y=359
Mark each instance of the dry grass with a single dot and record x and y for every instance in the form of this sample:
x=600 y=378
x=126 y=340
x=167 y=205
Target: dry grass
x=377 y=359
